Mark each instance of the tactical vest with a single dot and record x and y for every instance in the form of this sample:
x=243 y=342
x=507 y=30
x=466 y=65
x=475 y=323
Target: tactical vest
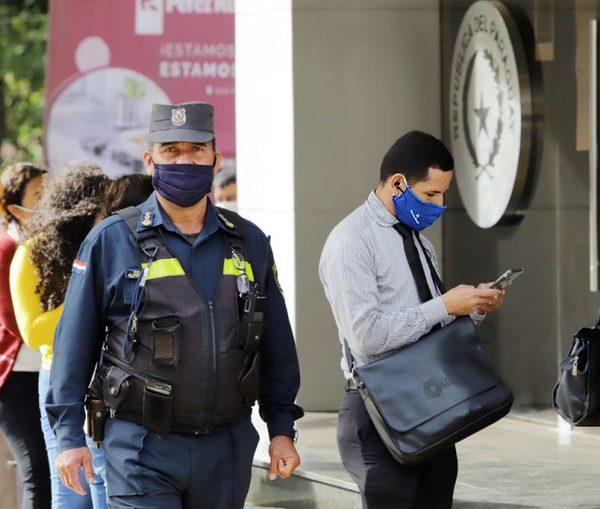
x=182 y=363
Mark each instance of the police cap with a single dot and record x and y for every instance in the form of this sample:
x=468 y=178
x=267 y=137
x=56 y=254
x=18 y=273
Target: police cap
x=191 y=122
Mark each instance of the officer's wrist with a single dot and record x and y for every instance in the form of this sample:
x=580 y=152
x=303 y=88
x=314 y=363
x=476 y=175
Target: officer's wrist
x=293 y=436
x=281 y=424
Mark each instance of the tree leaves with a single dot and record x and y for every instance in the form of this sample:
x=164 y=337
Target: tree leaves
x=23 y=37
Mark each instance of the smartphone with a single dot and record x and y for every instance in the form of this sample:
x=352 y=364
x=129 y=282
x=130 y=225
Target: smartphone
x=506 y=278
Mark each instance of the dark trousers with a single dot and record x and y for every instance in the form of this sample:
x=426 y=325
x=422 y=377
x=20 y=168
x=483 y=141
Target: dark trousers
x=145 y=470
x=383 y=482
x=20 y=424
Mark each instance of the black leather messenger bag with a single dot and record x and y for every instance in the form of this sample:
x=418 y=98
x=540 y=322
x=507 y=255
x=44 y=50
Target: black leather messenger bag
x=432 y=393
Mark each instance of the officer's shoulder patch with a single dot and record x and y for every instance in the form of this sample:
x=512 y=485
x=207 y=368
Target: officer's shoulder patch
x=276 y=278
x=79 y=267
x=225 y=221
x=147 y=219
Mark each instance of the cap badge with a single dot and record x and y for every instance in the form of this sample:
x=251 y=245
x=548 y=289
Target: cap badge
x=178 y=116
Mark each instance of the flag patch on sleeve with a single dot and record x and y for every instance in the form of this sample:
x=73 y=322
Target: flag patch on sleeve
x=79 y=266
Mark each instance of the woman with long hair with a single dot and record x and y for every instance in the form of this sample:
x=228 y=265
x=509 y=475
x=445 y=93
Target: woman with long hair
x=20 y=192
x=39 y=276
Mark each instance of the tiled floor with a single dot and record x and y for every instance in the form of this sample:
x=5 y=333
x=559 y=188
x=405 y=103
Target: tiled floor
x=527 y=460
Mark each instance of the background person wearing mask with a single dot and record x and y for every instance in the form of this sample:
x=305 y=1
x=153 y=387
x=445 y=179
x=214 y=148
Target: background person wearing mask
x=225 y=189
x=20 y=191
x=39 y=274
x=380 y=287
x=179 y=347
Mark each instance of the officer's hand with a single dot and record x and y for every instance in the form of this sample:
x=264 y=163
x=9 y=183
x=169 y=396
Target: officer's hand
x=464 y=299
x=68 y=464
x=284 y=458
x=494 y=304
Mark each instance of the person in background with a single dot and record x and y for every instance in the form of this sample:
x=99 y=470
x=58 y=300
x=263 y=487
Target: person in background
x=20 y=192
x=39 y=275
x=380 y=278
x=225 y=189
x=126 y=191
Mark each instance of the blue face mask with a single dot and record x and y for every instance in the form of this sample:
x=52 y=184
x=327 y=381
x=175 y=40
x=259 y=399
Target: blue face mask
x=414 y=212
x=183 y=184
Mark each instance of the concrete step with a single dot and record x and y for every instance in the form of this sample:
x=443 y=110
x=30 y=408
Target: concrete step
x=304 y=490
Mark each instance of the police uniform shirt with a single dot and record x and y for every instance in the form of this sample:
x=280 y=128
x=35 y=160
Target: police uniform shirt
x=100 y=293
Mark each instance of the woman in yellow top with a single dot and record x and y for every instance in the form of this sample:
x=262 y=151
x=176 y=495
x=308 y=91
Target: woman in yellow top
x=39 y=275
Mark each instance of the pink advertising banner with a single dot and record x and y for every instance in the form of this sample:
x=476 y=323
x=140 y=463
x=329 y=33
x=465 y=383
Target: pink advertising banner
x=110 y=60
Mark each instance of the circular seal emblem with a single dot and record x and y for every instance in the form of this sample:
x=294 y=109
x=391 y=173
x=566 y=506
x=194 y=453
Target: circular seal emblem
x=490 y=113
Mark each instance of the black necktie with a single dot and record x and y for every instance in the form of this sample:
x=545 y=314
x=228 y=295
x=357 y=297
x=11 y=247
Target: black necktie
x=414 y=262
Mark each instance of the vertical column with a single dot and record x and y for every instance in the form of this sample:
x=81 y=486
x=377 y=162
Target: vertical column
x=265 y=128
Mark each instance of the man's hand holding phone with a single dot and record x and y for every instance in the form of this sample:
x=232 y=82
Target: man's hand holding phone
x=466 y=299
x=487 y=297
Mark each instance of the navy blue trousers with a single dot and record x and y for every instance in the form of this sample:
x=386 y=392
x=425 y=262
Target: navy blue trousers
x=383 y=482
x=149 y=471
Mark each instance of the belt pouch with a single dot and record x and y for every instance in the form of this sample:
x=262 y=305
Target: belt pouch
x=157 y=410
x=116 y=387
x=250 y=378
x=166 y=341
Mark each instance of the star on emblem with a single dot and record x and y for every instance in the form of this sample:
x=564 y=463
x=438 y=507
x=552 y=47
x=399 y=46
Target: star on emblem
x=482 y=113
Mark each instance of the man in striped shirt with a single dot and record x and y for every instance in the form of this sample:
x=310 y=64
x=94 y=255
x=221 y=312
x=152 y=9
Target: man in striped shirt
x=379 y=307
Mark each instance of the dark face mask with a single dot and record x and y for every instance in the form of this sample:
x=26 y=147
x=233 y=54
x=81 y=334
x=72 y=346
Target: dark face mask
x=183 y=184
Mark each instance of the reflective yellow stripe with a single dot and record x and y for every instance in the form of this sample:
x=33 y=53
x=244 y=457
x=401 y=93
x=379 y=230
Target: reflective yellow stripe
x=164 y=268
x=230 y=270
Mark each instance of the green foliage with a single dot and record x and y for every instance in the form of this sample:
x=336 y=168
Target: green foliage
x=23 y=36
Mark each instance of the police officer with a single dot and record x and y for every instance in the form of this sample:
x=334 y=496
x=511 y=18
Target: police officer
x=177 y=304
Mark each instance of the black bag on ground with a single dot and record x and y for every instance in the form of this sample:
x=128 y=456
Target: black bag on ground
x=576 y=396
x=432 y=393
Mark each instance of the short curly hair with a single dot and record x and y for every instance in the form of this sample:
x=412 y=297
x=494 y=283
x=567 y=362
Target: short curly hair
x=13 y=181
x=72 y=204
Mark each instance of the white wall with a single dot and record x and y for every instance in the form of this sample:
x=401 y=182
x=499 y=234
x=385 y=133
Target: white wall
x=324 y=87
x=265 y=128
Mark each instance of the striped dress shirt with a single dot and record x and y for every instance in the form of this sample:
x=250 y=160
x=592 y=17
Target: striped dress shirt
x=370 y=287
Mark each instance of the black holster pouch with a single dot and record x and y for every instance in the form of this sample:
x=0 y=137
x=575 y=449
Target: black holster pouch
x=96 y=412
x=249 y=379
x=157 y=407
x=116 y=387
x=252 y=308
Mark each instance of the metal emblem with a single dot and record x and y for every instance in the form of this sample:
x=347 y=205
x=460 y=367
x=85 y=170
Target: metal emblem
x=490 y=113
x=178 y=117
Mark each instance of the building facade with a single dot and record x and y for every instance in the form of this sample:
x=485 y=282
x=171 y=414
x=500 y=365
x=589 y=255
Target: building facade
x=324 y=87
